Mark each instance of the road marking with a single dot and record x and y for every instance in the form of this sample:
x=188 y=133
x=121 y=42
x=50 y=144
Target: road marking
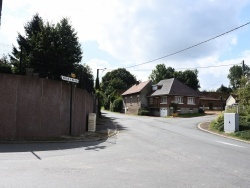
x=230 y=144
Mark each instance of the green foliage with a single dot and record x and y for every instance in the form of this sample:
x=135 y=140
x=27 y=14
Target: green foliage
x=48 y=48
x=143 y=112
x=117 y=105
x=51 y=50
x=244 y=121
x=174 y=106
x=218 y=123
x=243 y=92
x=234 y=76
x=118 y=79
x=188 y=77
x=5 y=66
x=85 y=76
x=242 y=134
x=244 y=126
x=224 y=89
x=161 y=72
x=114 y=82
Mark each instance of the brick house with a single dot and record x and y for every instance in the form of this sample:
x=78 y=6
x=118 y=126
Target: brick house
x=170 y=92
x=135 y=97
x=213 y=100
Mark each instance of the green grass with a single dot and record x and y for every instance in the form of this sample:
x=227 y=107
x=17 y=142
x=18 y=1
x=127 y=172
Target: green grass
x=244 y=128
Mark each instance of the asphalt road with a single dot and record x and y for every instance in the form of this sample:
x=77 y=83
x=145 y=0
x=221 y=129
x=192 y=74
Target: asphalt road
x=147 y=152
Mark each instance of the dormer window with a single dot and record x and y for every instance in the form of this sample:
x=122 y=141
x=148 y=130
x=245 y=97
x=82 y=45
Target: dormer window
x=154 y=87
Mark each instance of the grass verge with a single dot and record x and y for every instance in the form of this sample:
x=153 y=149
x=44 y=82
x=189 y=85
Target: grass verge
x=244 y=128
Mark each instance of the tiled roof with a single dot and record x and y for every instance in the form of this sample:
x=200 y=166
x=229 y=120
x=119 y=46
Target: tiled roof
x=175 y=87
x=136 y=88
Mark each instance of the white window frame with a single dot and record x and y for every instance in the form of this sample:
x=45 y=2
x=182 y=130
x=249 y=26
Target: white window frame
x=191 y=100
x=179 y=99
x=164 y=101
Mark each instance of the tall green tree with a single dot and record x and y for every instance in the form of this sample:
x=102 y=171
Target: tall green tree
x=121 y=75
x=51 y=50
x=85 y=76
x=161 y=72
x=68 y=46
x=224 y=89
x=23 y=56
x=188 y=77
x=234 y=76
x=5 y=66
x=118 y=79
x=243 y=92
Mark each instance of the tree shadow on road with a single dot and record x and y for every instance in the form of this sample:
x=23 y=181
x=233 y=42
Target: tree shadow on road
x=105 y=128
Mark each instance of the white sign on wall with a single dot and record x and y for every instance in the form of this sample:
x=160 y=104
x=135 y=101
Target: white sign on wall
x=65 y=78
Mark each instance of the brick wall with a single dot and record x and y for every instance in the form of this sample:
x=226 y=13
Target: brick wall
x=35 y=107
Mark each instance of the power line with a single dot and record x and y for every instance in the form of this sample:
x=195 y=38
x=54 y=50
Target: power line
x=212 y=66
x=190 y=46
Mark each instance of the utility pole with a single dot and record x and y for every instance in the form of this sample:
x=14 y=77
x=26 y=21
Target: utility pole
x=97 y=83
x=243 y=67
x=97 y=87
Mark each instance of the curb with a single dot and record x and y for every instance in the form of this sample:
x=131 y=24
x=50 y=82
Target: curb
x=109 y=134
x=221 y=135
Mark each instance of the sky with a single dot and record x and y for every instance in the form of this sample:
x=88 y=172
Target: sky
x=121 y=34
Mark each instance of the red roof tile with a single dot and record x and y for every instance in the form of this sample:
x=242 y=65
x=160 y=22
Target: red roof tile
x=136 y=88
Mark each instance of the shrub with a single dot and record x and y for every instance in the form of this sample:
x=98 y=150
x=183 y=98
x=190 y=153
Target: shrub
x=143 y=112
x=243 y=134
x=218 y=123
x=117 y=105
x=201 y=111
x=5 y=68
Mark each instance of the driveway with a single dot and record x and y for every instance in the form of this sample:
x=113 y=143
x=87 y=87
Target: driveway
x=147 y=152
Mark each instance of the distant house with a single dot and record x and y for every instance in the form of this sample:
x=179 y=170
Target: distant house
x=232 y=100
x=135 y=97
x=213 y=100
x=171 y=92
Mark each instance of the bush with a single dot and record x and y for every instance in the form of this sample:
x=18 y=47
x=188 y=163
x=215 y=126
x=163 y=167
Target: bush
x=218 y=124
x=5 y=68
x=243 y=134
x=143 y=112
x=201 y=111
x=117 y=105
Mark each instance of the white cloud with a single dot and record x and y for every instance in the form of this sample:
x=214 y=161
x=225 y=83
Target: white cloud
x=234 y=41
x=136 y=31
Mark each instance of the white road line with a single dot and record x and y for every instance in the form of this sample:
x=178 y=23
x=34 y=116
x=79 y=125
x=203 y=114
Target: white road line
x=230 y=144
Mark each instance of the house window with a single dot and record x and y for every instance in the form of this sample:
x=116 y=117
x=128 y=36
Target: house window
x=154 y=88
x=125 y=100
x=151 y=101
x=179 y=99
x=138 y=99
x=156 y=100
x=191 y=100
x=164 y=100
x=130 y=100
